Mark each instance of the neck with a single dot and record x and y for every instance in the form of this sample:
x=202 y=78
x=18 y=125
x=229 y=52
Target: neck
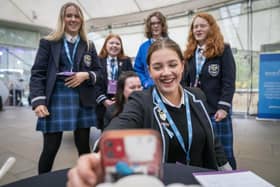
x=174 y=98
x=73 y=34
x=155 y=37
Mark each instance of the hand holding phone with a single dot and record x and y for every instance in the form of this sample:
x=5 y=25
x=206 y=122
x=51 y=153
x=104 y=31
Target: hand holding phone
x=127 y=152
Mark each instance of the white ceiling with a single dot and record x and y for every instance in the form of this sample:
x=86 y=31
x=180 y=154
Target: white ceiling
x=44 y=13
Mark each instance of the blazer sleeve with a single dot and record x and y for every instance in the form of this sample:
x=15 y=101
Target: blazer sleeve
x=39 y=74
x=132 y=115
x=95 y=74
x=228 y=79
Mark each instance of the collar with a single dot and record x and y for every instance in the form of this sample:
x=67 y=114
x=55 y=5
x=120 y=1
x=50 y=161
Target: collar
x=203 y=47
x=70 y=38
x=166 y=101
x=109 y=58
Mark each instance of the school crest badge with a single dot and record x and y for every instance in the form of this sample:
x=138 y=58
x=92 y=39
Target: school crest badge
x=87 y=60
x=214 y=69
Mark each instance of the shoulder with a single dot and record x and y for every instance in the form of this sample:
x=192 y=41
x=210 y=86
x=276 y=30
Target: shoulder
x=145 y=44
x=125 y=59
x=227 y=48
x=196 y=93
x=141 y=97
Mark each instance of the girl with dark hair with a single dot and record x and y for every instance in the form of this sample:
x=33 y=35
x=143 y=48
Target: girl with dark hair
x=179 y=115
x=127 y=83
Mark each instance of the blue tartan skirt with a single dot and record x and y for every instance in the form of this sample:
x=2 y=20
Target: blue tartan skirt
x=223 y=130
x=66 y=113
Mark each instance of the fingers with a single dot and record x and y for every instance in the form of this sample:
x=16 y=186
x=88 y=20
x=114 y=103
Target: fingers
x=220 y=115
x=88 y=171
x=41 y=111
x=75 y=80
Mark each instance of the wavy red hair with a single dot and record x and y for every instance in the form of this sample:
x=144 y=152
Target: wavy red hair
x=214 y=41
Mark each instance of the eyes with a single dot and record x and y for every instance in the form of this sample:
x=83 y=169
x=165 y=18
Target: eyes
x=160 y=66
x=135 y=87
x=202 y=26
x=114 y=43
x=76 y=16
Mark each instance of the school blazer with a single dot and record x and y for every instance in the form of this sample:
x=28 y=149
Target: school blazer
x=123 y=65
x=141 y=112
x=217 y=79
x=46 y=65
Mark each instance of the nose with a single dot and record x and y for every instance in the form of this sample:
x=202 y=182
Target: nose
x=165 y=70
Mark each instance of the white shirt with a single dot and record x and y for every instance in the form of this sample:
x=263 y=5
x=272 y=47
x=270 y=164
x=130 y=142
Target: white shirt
x=166 y=101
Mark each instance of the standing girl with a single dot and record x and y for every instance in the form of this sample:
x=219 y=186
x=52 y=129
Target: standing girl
x=62 y=85
x=211 y=67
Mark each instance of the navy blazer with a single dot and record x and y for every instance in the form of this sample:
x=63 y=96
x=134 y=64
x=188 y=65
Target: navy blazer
x=46 y=65
x=217 y=79
x=123 y=65
x=141 y=111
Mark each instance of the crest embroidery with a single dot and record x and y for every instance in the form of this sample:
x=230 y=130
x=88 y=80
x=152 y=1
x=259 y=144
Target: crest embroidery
x=87 y=60
x=214 y=69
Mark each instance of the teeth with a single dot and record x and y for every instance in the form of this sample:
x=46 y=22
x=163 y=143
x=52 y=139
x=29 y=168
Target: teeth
x=167 y=81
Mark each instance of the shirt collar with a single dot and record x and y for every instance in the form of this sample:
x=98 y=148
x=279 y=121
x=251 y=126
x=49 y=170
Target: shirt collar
x=201 y=47
x=70 y=38
x=182 y=102
x=109 y=58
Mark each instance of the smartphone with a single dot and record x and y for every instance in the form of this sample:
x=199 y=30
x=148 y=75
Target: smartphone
x=128 y=152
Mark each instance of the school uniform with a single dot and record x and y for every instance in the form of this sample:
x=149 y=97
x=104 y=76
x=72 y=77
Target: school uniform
x=205 y=151
x=70 y=108
x=217 y=81
x=121 y=65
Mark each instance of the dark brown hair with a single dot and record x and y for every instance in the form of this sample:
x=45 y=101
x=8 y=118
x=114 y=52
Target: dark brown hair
x=120 y=100
x=164 y=43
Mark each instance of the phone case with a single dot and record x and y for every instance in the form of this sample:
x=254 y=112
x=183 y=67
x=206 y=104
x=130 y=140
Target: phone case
x=127 y=152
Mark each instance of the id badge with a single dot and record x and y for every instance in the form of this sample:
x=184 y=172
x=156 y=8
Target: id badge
x=112 y=87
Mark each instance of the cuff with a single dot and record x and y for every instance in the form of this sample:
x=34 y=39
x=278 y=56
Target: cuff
x=101 y=98
x=225 y=167
x=92 y=77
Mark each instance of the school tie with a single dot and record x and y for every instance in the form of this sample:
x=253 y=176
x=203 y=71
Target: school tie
x=113 y=68
x=199 y=65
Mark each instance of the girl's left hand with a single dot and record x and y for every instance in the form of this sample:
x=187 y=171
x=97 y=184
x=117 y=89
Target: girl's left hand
x=76 y=79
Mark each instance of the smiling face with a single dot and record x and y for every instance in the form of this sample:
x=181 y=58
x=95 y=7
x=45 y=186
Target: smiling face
x=166 y=69
x=131 y=84
x=72 y=20
x=113 y=47
x=201 y=29
x=156 y=27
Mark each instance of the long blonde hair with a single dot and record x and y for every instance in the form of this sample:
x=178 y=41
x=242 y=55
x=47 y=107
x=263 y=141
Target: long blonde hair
x=58 y=33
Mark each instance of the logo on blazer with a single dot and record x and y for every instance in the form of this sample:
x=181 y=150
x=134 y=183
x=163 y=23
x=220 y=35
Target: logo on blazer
x=87 y=60
x=214 y=69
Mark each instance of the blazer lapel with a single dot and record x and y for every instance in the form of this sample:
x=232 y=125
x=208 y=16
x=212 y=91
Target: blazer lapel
x=56 y=47
x=80 y=52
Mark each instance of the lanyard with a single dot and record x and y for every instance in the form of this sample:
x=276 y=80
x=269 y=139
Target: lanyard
x=66 y=47
x=173 y=126
x=114 y=69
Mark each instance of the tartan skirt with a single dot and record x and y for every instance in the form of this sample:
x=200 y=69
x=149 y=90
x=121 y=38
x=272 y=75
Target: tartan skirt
x=66 y=113
x=223 y=130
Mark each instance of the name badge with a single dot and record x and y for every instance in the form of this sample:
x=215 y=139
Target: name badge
x=112 y=87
